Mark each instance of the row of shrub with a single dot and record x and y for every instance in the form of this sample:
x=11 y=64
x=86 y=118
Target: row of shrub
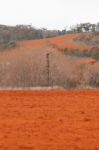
x=25 y=75
x=93 y=52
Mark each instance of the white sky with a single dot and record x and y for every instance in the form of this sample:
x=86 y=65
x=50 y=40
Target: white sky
x=52 y=14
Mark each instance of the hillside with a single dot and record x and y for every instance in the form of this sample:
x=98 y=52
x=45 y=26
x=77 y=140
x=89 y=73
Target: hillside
x=73 y=62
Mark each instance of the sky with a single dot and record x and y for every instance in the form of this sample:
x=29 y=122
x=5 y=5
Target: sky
x=51 y=14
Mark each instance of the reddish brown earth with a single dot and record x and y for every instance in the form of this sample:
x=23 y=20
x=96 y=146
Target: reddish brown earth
x=49 y=120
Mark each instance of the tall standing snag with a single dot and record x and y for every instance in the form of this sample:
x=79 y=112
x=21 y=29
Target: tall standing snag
x=48 y=68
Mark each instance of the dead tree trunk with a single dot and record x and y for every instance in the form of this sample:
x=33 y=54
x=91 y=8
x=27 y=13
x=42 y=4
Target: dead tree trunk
x=48 y=68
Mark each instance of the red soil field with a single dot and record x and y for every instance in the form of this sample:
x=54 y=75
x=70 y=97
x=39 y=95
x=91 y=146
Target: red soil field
x=67 y=41
x=64 y=41
x=86 y=61
x=49 y=120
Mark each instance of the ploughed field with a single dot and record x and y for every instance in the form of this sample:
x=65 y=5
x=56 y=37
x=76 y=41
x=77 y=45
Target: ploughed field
x=49 y=120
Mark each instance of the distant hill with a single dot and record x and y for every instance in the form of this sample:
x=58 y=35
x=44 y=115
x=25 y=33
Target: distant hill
x=73 y=62
x=10 y=34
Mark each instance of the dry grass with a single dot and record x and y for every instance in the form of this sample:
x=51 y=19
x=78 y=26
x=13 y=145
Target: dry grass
x=25 y=66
